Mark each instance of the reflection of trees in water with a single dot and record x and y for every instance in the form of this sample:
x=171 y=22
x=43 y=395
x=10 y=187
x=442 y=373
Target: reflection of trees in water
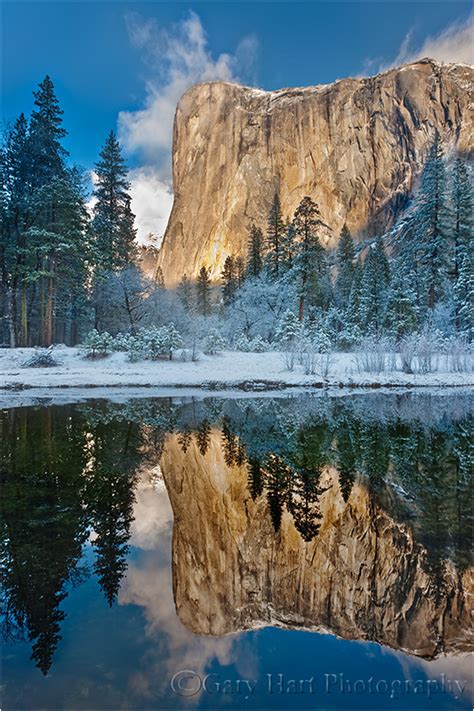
x=61 y=478
x=69 y=470
x=255 y=477
x=416 y=472
x=114 y=457
x=44 y=525
x=203 y=436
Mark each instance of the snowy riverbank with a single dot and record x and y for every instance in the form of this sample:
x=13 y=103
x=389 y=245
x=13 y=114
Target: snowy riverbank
x=230 y=369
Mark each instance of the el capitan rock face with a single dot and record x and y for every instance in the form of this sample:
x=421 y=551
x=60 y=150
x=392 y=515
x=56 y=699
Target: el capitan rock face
x=363 y=577
x=355 y=146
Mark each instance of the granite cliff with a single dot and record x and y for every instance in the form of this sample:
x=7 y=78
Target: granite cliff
x=355 y=146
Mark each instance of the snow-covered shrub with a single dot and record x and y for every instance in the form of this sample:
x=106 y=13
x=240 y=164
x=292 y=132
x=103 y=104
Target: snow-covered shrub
x=348 y=338
x=186 y=355
x=41 y=358
x=259 y=345
x=407 y=348
x=171 y=339
x=289 y=336
x=288 y=330
x=458 y=354
x=371 y=355
x=316 y=353
x=135 y=349
x=97 y=345
x=428 y=347
x=214 y=342
x=123 y=342
x=243 y=343
x=258 y=306
x=156 y=343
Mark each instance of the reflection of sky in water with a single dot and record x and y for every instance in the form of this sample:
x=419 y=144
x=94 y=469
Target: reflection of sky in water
x=126 y=656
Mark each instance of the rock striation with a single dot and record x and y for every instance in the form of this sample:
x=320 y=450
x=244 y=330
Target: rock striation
x=363 y=577
x=355 y=146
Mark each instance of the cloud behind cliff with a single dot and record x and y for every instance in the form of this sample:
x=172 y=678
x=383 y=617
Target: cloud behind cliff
x=174 y=59
x=454 y=44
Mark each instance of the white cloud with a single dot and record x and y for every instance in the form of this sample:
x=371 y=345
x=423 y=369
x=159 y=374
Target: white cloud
x=152 y=199
x=175 y=58
x=453 y=44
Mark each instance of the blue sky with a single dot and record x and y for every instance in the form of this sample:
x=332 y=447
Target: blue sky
x=123 y=65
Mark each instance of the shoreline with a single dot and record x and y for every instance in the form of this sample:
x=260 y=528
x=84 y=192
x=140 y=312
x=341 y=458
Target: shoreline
x=64 y=395
x=229 y=371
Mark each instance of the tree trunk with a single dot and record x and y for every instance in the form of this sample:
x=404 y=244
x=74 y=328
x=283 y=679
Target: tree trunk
x=301 y=308
x=9 y=317
x=24 y=317
x=49 y=314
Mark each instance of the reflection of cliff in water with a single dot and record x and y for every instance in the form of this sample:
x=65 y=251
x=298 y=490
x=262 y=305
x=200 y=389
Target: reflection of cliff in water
x=346 y=514
x=363 y=576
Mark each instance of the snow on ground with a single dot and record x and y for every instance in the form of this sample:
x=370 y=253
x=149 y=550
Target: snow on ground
x=252 y=371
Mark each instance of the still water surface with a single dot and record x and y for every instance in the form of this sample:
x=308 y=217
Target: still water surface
x=293 y=552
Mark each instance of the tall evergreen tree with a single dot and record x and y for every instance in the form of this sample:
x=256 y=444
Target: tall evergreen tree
x=229 y=280
x=45 y=136
x=58 y=236
x=432 y=225
x=254 y=252
x=240 y=271
x=43 y=216
x=203 y=292
x=16 y=216
x=185 y=292
x=113 y=221
x=464 y=295
x=289 y=247
x=401 y=314
x=310 y=260
x=345 y=267
x=374 y=288
x=275 y=237
x=354 y=310
x=462 y=247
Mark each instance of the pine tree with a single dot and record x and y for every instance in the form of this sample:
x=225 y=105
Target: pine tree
x=461 y=200
x=374 y=288
x=432 y=225
x=229 y=280
x=159 y=279
x=240 y=271
x=113 y=222
x=354 y=312
x=464 y=295
x=275 y=237
x=45 y=135
x=462 y=246
x=254 y=253
x=401 y=314
x=185 y=292
x=58 y=235
x=289 y=247
x=15 y=164
x=203 y=292
x=310 y=260
x=34 y=210
x=345 y=267
x=289 y=328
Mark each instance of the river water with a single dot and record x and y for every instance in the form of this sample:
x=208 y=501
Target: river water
x=293 y=552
